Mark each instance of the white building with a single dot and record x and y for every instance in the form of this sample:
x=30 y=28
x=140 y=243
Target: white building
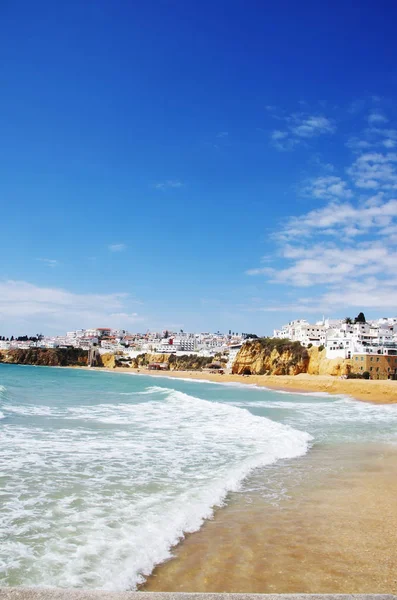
x=342 y=339
x=233 y=351
x=302 y=331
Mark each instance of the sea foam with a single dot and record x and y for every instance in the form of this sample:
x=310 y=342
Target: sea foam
x=101 y=497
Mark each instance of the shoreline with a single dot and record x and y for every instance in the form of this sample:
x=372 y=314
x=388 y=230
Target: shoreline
x=374 y=391
x=326 y=527
x=327 y=535
x=381 y=391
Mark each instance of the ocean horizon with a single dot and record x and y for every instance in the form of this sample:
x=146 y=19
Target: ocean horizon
x=104 y=473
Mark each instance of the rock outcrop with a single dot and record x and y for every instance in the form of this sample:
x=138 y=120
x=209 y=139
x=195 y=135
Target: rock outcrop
x=270 y=356
x=48 y=357
x=187 y=362
x=108 y=361
x=319 y=364
x=67 y=357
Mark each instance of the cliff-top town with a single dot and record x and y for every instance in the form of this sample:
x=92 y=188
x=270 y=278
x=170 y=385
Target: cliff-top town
x=367 y=343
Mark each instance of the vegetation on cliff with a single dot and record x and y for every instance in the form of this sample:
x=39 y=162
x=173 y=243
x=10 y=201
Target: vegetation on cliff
x=187 y=362
x=68 y=357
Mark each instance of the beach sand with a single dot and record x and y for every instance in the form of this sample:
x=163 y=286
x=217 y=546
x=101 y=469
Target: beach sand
x=335 y=532
x=377 y=391
x=332 y=531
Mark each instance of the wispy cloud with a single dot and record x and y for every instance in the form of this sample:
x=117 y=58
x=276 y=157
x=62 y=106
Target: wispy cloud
x=117 y=247
x=24 y=304
x=299 y=128
x=345 y=249
x=169 y=184
x=222 y=134
x=327 y=188
x=374 y=170
x=344 y=219
x=377 y=117
x=49 y=262
x=312 y=126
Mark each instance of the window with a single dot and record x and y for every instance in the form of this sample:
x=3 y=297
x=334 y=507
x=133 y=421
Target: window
x=370 y=368
x=372 y=358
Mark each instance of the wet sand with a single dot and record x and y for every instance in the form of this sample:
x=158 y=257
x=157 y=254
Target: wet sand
x=334 y=531
x=376 y=391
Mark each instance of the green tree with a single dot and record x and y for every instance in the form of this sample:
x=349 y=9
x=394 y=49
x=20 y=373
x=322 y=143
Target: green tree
x=360 y=318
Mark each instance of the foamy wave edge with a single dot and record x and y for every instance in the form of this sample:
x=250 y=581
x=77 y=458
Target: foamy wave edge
x=236 y=384
x=216 y=495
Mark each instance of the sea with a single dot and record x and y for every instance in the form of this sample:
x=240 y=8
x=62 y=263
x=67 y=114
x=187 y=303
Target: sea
x=103 y=474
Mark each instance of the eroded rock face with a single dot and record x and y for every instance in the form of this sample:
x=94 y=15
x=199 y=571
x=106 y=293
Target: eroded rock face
x=269 y=356
x=319 y=364
x=175 y=363
x=48 y=357
x=64 y=357
x=108 y=361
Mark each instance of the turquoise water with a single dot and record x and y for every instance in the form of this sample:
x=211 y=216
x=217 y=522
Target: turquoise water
x=102 y=474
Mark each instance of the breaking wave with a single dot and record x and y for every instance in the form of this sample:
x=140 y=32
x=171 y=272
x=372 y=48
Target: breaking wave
x=101 y=497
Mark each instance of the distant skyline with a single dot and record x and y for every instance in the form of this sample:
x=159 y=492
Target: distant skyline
x=204 y=166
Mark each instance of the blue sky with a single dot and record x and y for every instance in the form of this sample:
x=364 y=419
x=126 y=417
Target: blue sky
x=196 y=165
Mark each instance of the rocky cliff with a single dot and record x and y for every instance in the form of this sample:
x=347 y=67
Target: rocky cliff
x=270 y=356
x=67 y=357
x=319 y=364
x=49 y=357
x=187 y=362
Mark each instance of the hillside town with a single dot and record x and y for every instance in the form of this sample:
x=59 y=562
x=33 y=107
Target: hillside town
x=130 y=345
x=370 y=346
x=344 y=337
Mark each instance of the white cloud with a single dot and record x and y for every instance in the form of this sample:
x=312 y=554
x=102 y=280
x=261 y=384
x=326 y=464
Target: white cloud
x=376 y=117
x=50 y=262
x=222 y=134
x=374 y=137
x=279 y=135
x=328 y=263
x=341 y=219
x=345 y=249
x=117 y=247
x=357 y=145
x=343 y=275
x=169 y=184
x=27 y=307
x=374 y=170
x=327 y=188
x=312 y=126
x=300 y=127
x=321 y=254
x=389 y=144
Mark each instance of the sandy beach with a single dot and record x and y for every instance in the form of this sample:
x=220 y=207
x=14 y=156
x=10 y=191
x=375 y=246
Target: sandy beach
x=329 y=528
x=334 y=532
x=376 y=391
